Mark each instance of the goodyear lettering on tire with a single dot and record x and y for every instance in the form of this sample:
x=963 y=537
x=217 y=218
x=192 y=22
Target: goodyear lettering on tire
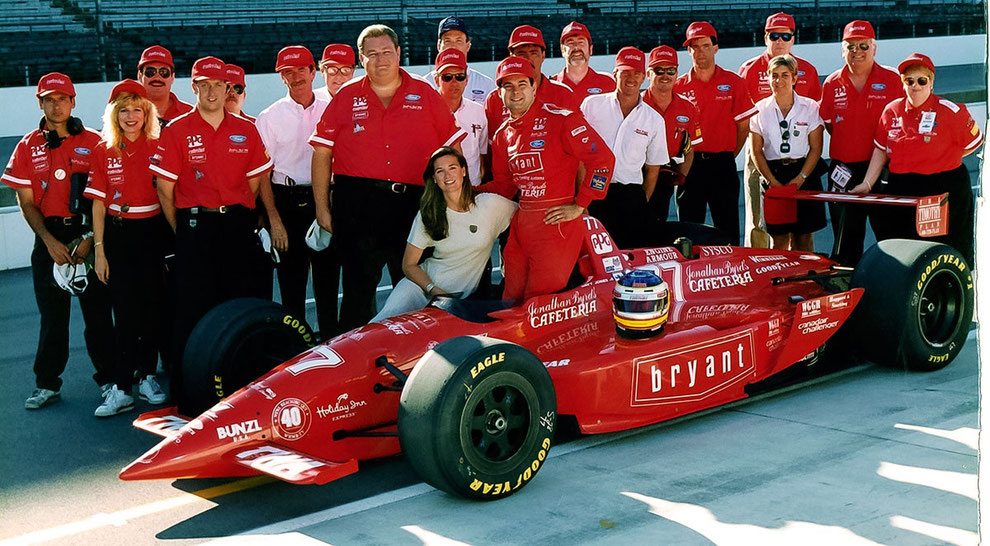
x=505 y=487
x=218 y=385
x=947 y=259
x=298 y=326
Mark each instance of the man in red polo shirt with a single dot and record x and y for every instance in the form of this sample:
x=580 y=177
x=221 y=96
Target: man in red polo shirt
x=209 y=165
x=236 y=91
x=853 y=98
x=527 y=42
x=779 y=36
x=680 y=120
x=725 y=107
x=536 y=154
x=376 y=137
x=44 y=167
x=156 y=72
x=576 y=48
x=337 y=67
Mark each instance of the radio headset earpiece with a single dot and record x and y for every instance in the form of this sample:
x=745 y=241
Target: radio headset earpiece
x=73 y=125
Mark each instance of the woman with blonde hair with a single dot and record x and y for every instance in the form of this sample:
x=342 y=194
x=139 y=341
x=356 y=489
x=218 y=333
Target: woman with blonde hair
x=129 y=232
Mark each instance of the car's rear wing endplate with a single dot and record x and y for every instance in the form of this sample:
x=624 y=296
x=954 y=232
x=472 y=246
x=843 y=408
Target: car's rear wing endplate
x=931 y=212
x=293 y=466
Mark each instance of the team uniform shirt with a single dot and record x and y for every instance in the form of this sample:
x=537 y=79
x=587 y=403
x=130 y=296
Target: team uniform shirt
x=471 y=119
x=754 y=71
x=175 y=108
x=722 y=102
x=680 y=118
x=593 y=83
x=478 y=85
x=853 y=114
x=210 y=167
x=394 y=143
x=285 y=128
x=801 y=120
x=548 y=92
x=636 y=139
x=48 y=172
x=120 y=179
x=929 y=139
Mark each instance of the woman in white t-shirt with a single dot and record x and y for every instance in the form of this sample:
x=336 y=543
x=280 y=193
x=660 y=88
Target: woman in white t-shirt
x=786 y=138
x=459 y=224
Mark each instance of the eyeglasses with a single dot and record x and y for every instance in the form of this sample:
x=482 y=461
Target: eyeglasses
x=785 y=146
x=239 y=89
x=785 y=36
x=163 y=71
x=460 y=76
x=660 y=71
x=862 y=45
x=922 y=81
x=345 y=70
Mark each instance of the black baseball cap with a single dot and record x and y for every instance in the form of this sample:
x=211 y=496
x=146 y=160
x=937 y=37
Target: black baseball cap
x=451 y=23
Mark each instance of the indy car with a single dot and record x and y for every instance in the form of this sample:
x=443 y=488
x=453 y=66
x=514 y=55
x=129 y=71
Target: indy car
x=471 y=392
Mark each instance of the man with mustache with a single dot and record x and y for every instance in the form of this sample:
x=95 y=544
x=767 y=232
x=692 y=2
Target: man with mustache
x=576 y=48
x=156 y=72
x=236 y=91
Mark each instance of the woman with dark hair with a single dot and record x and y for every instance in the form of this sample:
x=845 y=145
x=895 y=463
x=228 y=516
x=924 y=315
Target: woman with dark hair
x=459 y=224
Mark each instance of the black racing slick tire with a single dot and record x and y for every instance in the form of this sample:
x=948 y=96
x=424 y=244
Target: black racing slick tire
x=476 y=417
x=917 y=305
x=235 y=343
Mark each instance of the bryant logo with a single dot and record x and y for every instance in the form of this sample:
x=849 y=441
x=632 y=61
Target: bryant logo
x=114 y=163
x=194 y=141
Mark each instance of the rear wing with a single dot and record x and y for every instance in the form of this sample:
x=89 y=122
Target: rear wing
x=931 y=212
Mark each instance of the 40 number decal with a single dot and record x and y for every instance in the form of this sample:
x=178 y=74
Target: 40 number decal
x=291 y=419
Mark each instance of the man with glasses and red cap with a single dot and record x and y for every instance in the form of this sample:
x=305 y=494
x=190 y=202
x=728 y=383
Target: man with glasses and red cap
x=209 y=165
x=779 y=36
x=236 y=91
x=536 y=154
x=48 y=170
x=450 y=76
x=577 y=74
x=680 y=121
x=853 y=98
x=452 y=33
x=156 y=72
x=723 y=101
x=636 y=134
x=337 y=67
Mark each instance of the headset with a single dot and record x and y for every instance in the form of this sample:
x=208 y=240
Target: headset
x=73 y=125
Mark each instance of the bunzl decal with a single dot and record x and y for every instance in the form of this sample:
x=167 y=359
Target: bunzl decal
x=319 y=357
x=285 y=464
x=561 y=309
x=693 y=373
x=714 y=276
x=238 y=431
x=291 y=419
x=341 y=409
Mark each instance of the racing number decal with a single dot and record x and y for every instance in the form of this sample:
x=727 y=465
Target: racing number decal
x=291 y=419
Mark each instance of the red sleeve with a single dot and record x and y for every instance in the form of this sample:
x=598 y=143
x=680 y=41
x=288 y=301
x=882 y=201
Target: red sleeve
x=493 y=112
x=96 y=188
x=969 y=134
x=501 y=182
x=259 y=161
x=825 y=104
x=167 y=161
x=326 y=129
x=880 y=136
x=580 y=140
x=18 y=171
x=814 y=83
x=742 y=104
x=752 y=84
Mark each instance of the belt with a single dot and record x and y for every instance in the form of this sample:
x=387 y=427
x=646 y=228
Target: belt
x=298 y=189
x=125 y=208
x=354 y=181
x=222 y=209
x=710 y=155
x=279 y=179
x=64 y=220
x=790 y=160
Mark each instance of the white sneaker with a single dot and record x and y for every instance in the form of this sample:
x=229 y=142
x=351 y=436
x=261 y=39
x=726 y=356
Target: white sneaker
x=41 y=397
x=148 y=389
x=116 y=401
x=105 y=388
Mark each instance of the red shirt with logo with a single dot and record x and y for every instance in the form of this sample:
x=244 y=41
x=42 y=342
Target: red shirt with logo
x=929 y=139
x=210 y=167
x=680 y=117
x=120 y=178
x=48 y=172
x=395 y=143
x=754 y=71
x=853 y=114
x=722 y=102
x=538 y=154
x=548 y=92
x=593 y=83
x=175 y=108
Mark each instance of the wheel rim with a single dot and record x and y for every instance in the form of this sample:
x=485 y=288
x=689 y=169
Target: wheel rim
x=496 y=421
x=940 y=308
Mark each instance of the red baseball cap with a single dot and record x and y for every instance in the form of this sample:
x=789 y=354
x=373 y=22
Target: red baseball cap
x=156 y=54
x=916 y=59
x=294 y=56
x=55 y=82
x=128 y=86
x=779 y=20
x=630 y=58
x=338 y=54
x=450 y=57
x=234 y=75
x=699 y=29
x=858 y=29
x=209 y=68
x=662 y=55
x=575 y=28
x=524 y=35
x=514 y=66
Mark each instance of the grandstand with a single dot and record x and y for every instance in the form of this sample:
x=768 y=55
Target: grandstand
x=97 y=40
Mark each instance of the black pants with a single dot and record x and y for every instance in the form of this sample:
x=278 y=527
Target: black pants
x=625 y=214
x=133 y=249
x=371 y=225
x=712 y=182
x=849 y=239
x=165 y=337
x=899 y=222
x=54 y=306
x=295 y=206
x=659 y=204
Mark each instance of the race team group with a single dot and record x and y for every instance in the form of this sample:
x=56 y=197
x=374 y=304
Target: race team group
x=173 y=208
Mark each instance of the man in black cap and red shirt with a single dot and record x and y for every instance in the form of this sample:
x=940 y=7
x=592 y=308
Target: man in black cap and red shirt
x=452 y=33
x=48 y=170
x=577 y=74
x=156 y=72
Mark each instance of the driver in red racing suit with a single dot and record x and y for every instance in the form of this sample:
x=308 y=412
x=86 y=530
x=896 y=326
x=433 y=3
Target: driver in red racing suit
x=536 y=152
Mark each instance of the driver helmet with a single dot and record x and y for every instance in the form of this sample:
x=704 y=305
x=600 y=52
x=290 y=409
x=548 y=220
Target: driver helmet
x=640 y=303
x=317 y=238
x=71 y=277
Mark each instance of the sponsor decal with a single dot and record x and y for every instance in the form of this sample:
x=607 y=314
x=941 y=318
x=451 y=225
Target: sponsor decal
x=762 y=259
x=943 y=259
x=711 y=311
x=407 y=106
x=714 y=277
x=547 y=421
x=238 y=139
x=501 y=488
x=477 y=92
x=817 y=325
x=166 y=425
x=396 y=328
x=115 y=163
x=775 y=267
x=602 y=243
x=82 y=151
x=363 y=114
x=560 y=309
x=598 y=181
x=291 y=419
x=612 y=264
x=488 y=362
x=358 y=128
x=716 y=250
x=360 y=103
x=537 y=144
x=319 y=357
x=655 y=255
x=343 y=408
x=594 y=90
x=641 y=132
x=577 y=131
x=773 y=327
x=810 y=257
x=39 y=151
x=238 y=431
x=811 y=308
x=194 y=141
x=539 y=124
x=879 y=86
x=929 y=217
x=557 y=363
x=262 y=388
x=533 y=190
x=801 y=73
x=577 y=335
x=279 y=462
x=724 y=88
x=525 y=163
x=60 y=174
x=838 y=301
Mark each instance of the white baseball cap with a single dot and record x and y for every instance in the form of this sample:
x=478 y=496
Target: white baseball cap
x=317 y=238
x=71 y=277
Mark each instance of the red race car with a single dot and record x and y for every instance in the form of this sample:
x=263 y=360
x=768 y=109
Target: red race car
x=471 y=391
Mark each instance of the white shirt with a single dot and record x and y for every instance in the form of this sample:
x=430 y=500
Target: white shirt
x=285 y=128
x=801 y=120
x=471 y=118
x=636 y=140
x=477 y=89
x=323 y=93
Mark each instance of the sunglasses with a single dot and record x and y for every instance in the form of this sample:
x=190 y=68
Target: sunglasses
x=865 y=46
x=670 y=71
x=922 y=81
x=785 y=136
x=345 y=70
x=239 y=89
x=460 y=76
x=785 y=36
x=163 y=71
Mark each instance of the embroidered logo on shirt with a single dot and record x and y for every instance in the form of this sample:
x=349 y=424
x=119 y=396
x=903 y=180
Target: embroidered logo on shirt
x=238 y=139
x=683 y=119
x=579 y=130
x=535 y=144
x=412 y=97
x=598 y=182
x=82 y=151
x=724 y=87
x=194 y=140
x=594 y=90
x=879 y=86
x=358 y=128
x=538 y=124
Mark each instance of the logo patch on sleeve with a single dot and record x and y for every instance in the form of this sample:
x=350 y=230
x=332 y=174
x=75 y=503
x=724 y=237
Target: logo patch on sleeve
x=598 y=182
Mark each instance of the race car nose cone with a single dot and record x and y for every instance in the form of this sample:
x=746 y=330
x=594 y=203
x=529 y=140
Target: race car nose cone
x=165 y=460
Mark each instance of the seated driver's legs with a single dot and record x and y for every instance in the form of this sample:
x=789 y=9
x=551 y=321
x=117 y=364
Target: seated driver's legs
x=539 y=258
